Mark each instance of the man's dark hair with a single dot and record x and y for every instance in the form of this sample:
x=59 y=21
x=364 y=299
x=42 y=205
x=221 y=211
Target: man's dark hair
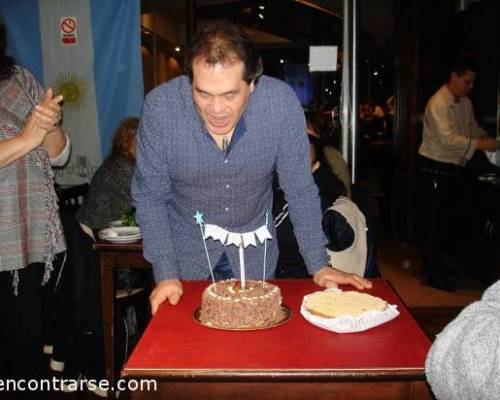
x=460 y=66
x=6 y=62
x=222 y=42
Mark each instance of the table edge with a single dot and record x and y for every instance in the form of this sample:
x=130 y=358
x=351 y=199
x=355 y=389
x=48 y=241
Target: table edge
x=344 y=375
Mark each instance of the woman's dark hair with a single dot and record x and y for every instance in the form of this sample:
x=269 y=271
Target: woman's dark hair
x=123 y=139
x=6 y=62
x=222 y=42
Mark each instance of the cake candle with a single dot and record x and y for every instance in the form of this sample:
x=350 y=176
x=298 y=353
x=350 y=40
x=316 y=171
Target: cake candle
x=265 y=252
x=242 y=264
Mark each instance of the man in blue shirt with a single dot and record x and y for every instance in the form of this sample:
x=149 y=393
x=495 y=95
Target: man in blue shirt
x=210 y=142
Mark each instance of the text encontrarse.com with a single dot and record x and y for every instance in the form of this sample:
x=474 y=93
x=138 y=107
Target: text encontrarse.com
x=57 y=384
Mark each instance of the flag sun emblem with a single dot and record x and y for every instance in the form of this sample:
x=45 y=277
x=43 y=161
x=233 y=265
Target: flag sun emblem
x=74 y=90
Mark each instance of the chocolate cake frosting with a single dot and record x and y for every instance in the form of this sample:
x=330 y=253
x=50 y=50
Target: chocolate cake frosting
x=227 y=305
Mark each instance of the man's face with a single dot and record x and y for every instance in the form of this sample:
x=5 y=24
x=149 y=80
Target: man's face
x=461 y=85
x=220 y=95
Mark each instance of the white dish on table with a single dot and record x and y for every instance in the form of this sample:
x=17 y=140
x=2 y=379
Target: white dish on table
x=121 y=234
x=346 y=323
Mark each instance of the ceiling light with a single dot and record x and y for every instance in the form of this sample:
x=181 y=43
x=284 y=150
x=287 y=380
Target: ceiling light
x=262 y=7
x=177 y=49
x=261 y=16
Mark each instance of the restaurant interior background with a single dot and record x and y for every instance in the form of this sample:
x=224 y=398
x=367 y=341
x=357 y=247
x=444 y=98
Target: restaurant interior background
x=404 y=49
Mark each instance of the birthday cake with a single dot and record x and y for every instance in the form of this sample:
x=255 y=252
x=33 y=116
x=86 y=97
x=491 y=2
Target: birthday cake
x=226 y=305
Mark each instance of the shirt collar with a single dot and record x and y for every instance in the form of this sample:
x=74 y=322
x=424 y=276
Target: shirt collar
x=448 y=97
x=239 y=130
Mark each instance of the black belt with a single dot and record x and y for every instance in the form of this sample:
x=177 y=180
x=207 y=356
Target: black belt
x=437 y=168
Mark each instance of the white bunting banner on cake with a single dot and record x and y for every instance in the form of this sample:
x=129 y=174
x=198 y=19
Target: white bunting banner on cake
x=232 y=238
x=240 y=240
x=263 y=234
x=215 y=232
x=248 y=239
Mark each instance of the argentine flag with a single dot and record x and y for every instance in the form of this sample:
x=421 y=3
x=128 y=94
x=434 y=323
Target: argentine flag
x=89 y=51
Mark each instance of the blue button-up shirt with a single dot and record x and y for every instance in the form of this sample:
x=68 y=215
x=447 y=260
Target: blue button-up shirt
x=180 y=169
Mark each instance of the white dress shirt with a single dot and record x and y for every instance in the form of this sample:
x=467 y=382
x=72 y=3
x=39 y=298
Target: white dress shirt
x=450 y=129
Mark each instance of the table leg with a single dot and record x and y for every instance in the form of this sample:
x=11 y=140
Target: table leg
x=108 y=308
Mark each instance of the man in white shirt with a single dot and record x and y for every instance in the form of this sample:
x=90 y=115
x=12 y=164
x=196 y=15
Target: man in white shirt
x=450 y=137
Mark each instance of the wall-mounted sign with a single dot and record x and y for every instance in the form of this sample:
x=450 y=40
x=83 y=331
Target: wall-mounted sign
x=69 y=29
x=322 y=58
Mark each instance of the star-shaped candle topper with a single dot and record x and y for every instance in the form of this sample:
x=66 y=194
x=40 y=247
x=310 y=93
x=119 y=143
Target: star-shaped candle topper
x=199 y=221
x=198 y=217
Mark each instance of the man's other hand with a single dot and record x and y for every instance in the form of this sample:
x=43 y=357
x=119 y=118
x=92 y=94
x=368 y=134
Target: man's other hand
x=329 y=277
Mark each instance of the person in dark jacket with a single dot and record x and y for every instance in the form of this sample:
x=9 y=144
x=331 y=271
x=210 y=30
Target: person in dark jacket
x=343 y=224
x=290 y=262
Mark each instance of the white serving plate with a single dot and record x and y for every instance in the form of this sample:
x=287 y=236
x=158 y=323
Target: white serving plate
x=123 y=234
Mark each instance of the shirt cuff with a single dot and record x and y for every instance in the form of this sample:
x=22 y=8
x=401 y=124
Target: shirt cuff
x=63 y=156
x=471 y=149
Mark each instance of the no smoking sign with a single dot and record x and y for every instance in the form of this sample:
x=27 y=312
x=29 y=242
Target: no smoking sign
x=69 y=29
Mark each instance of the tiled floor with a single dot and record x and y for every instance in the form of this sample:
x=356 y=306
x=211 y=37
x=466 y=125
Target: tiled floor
x=433 y=309
x=401 y=265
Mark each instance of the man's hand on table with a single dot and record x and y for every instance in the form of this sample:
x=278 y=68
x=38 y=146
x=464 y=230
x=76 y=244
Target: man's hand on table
x=329 y=277
x=169 y=289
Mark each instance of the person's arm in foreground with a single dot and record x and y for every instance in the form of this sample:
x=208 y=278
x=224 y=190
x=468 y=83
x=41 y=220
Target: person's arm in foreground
x=464 y=361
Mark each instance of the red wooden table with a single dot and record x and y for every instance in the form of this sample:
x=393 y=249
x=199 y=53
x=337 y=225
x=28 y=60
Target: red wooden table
x=293 y=361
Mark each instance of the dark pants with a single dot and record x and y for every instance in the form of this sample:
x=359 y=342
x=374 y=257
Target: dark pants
x=21 y=332
x=443 y=188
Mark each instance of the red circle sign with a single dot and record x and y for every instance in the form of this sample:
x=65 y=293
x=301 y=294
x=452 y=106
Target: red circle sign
x=68 y=25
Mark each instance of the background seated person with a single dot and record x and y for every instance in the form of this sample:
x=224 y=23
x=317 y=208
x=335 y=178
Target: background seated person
x=344 y=226
x=317 y=127
x=109 y=193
